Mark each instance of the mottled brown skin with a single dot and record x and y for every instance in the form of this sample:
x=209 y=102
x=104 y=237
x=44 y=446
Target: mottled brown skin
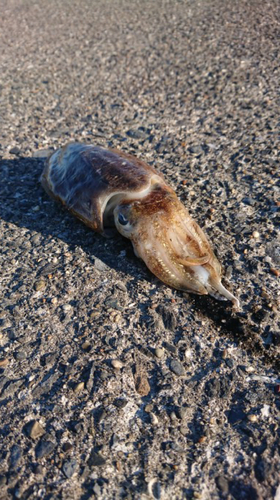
x=162 y=211
x=100 y=186
x=82 y=177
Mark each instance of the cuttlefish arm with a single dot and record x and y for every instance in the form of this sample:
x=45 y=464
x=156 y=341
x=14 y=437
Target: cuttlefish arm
x=171 y=244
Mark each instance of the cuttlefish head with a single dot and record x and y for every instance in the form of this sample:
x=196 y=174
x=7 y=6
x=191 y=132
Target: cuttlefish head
x=171 y=243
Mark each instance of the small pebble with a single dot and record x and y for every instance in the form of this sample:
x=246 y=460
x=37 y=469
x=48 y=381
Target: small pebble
x=159 y=352
x=142 y=385
x=79 y=387
x=42 y=153
x=35 y=430
x=86 y=345
x=176 y=367
x=69 y=467
x=222 y=484
x=66 y=307
x=202 y=439
x=44 y=449
x=173 y=417
x=274 y=271
x=3 y=480
x=38 y=469
x=154 y=419
x=15 y=456
x=120 y=402
x=170 y=347
x=96 y=460
x=67 y=447
x=188 y=354
x=97 y=490
x=149 y=407
x=256 y=234
x=121 y=286
x=40 y=285
x=20 y=355
x=252 y=418
x=4 y=362
x=14 y=151
x=117 y=364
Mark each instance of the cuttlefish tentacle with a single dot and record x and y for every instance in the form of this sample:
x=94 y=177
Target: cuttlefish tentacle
x=102 y=187
x=189 y=261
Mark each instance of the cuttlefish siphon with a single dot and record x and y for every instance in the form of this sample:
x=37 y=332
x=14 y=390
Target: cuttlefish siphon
x=104 y=187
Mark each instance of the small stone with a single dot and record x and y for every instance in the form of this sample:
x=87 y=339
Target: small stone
x=120 y=402
x=196 y=149
x=154 y=419
x=252 y=417
x=4 y=363
x=38 y=469
x=177 y=368
x=173 y=417
x=142 y=385
x=229 y=362
x=188 y=354
x=44 y=449
x=168 y=317
x=40 y=285
x=15 y=456
x=170 y=347
x=67 y=447
x=96 y=460
x=137 y=134
x=14 y=151
x=97 y=490
x=42 y=153
x=34 y=429
x=262 y=470
x=184 y=430
x=274 y=271
x=76 y=426
x=121 y=286
x=256 y=234
x=159 y=352
x=112 y=302
x=117 y=364
x=66 y=308
x=154 y=489
x=20 y=355
x=149 y=408
x=235 y=415
x=3 y=480
x=202 y=439
x=69 y=467
x=86 y=345
x=100 y=265
x=181 y=413
x=222 y=484
x=79 y=387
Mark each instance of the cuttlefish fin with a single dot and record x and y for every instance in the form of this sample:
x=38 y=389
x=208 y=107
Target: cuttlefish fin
x=194 y=261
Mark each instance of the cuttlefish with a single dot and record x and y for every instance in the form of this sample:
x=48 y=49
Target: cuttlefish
x=105 y=187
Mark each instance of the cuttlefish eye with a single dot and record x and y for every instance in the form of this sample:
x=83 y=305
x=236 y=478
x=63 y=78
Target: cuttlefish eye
x=122 y=220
